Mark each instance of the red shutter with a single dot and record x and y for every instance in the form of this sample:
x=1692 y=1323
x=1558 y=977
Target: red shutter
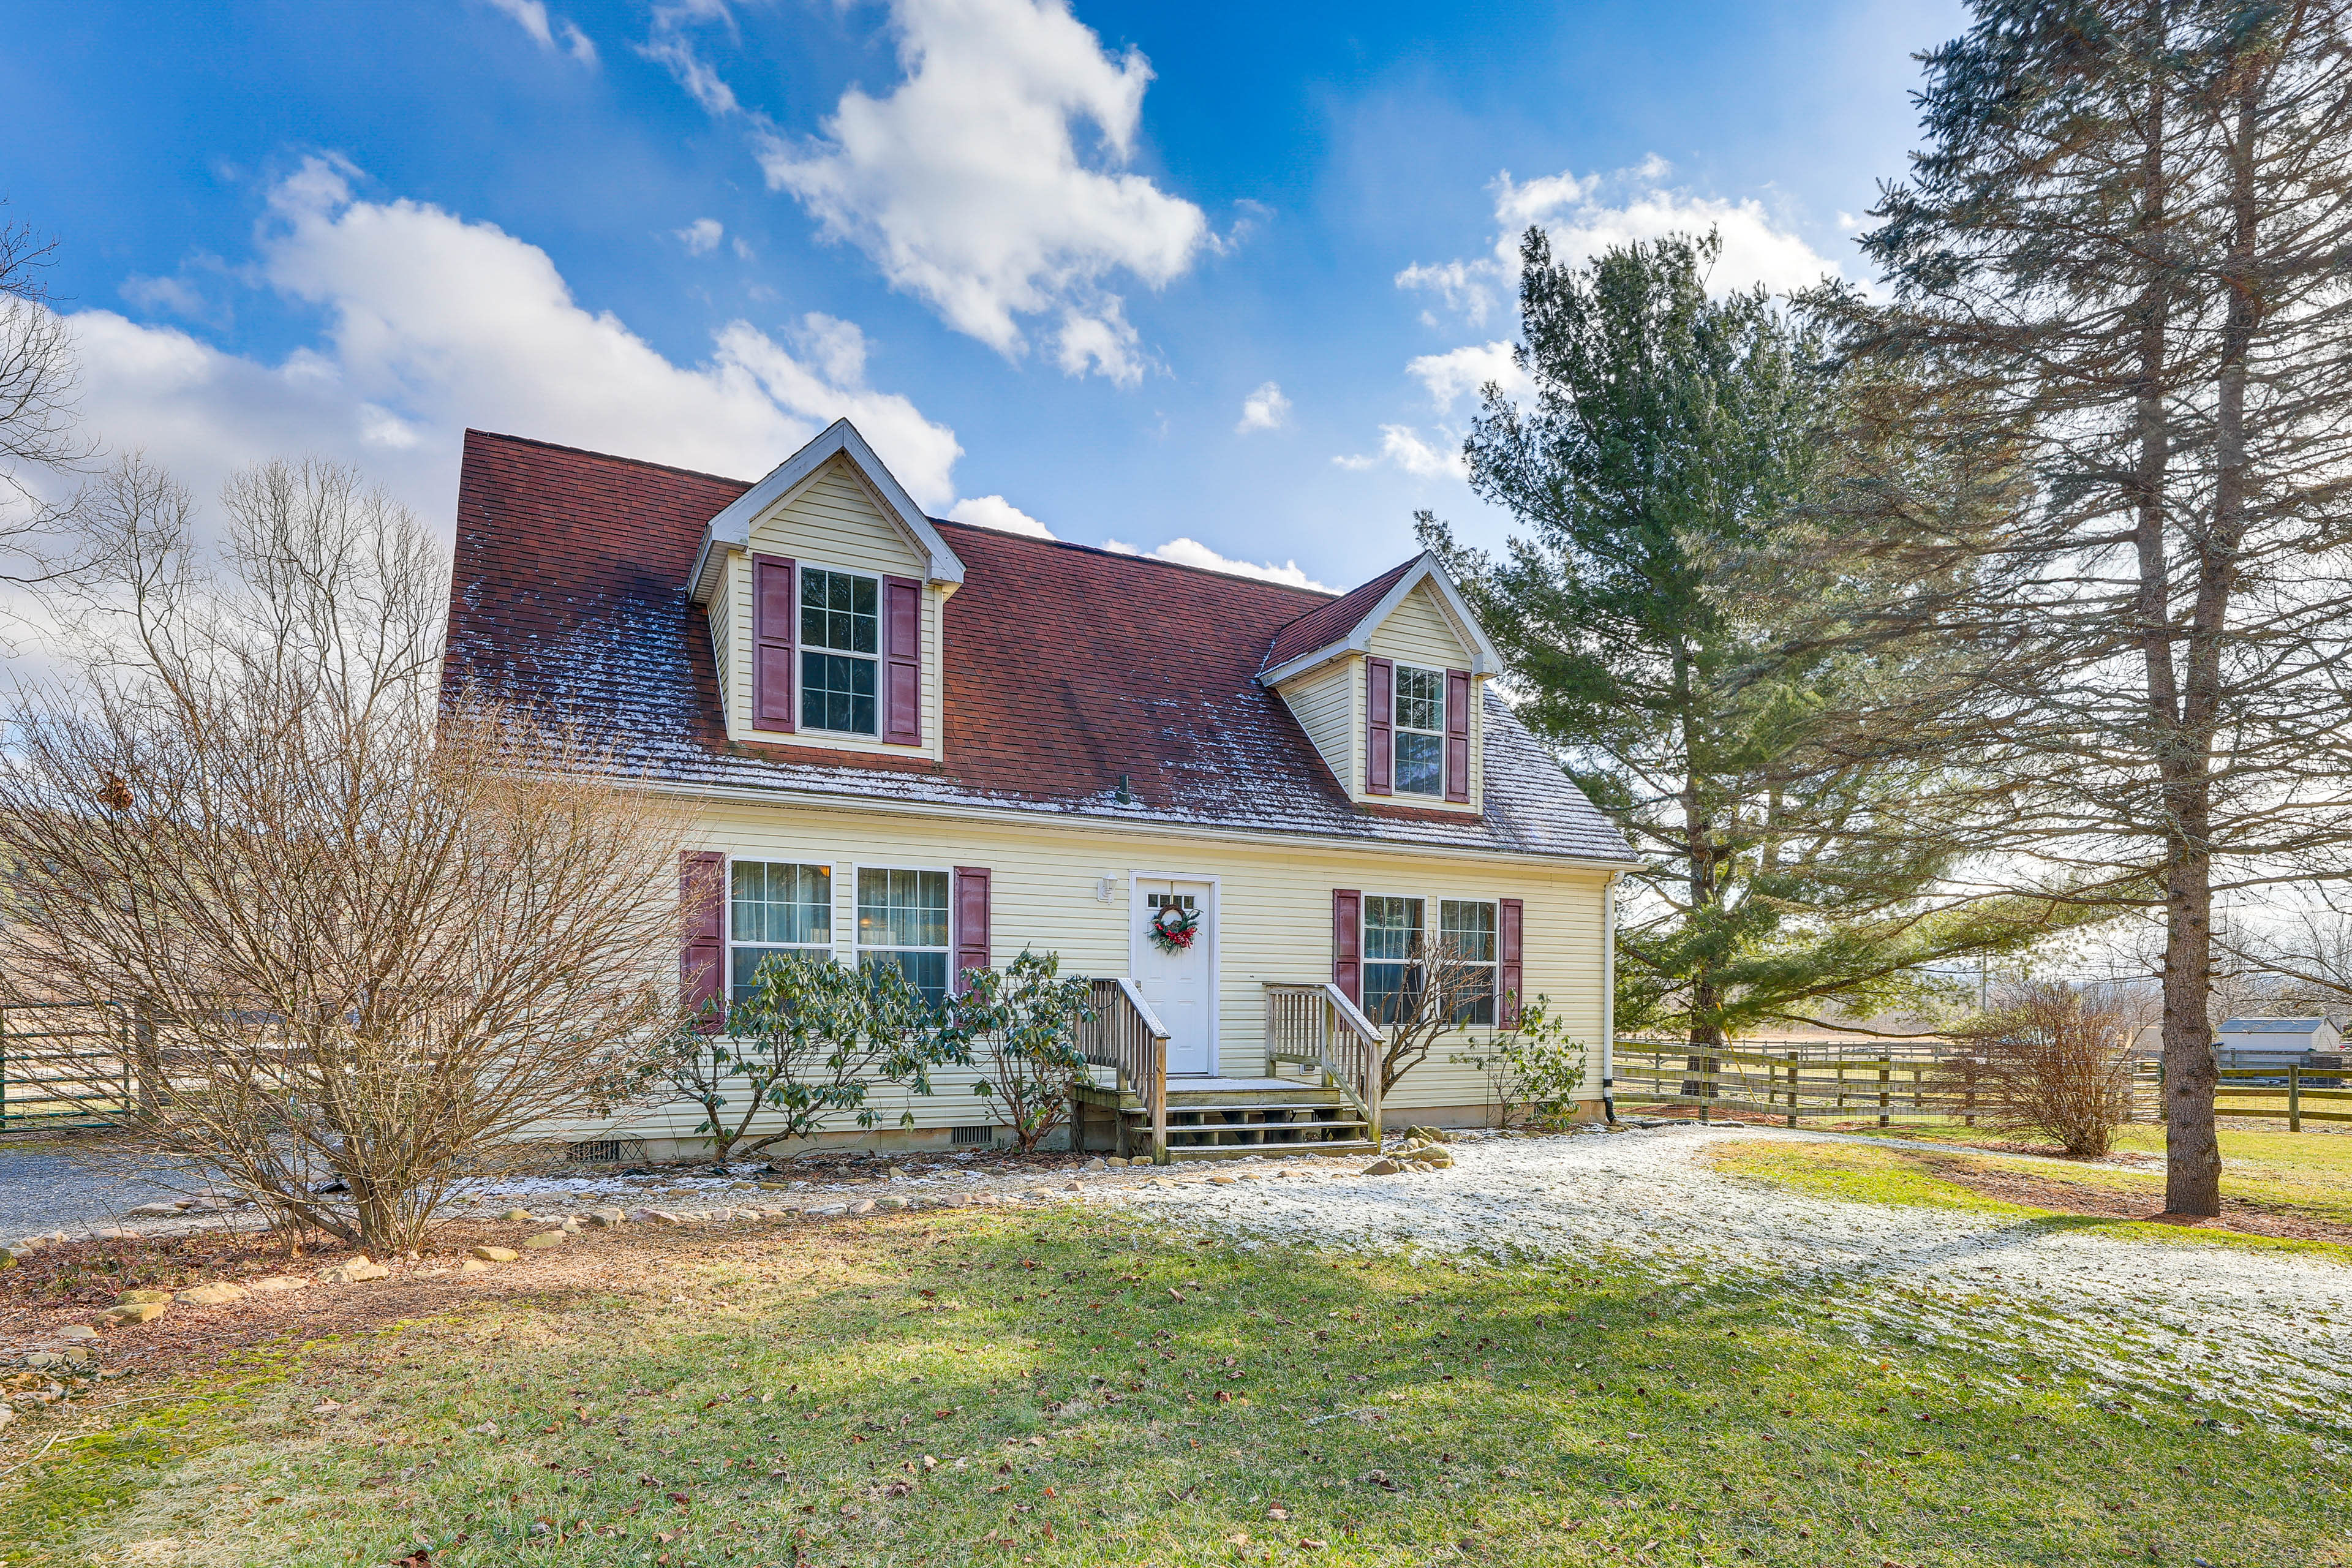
x=902 y=662
x=1510 y=921
x=1347 y=943
x=1457 y=734
x=702 y=925
x=970 y=923
x=774 y=609
x=1380 y=725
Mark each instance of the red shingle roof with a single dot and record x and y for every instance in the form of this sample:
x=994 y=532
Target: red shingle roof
x=1331 y=620
x=1078 y=680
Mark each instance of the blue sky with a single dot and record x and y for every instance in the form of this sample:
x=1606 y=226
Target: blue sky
x=1216 y=280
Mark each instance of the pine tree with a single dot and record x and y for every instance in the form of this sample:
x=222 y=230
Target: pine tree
x=2121 y=260
x=1669 y=448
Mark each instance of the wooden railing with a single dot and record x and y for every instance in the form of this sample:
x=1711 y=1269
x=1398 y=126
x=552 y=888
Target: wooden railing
x=1126 y=1037
x=1315 y=1025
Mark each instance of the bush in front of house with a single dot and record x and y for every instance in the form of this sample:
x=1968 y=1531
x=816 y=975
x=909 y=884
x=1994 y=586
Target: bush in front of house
x=1534 y=1069
x=808 y=1044
x=1020 y=1023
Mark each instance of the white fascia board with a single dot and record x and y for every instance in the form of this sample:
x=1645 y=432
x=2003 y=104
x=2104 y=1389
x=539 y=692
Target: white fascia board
x=1484 y=658
x=732 y=528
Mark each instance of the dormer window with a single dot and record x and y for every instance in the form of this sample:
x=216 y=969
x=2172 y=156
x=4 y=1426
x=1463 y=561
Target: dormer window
x=1420 y=731
x=841 y=644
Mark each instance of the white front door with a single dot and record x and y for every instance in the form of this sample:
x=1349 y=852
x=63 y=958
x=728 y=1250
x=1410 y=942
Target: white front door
x=1180 y=983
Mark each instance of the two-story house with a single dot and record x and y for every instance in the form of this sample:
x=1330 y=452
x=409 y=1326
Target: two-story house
x=936 y=745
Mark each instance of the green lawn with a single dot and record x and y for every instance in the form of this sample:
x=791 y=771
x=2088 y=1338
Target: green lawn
x=1069 y=1389
x=2309 y=1171
x=1867 y=1173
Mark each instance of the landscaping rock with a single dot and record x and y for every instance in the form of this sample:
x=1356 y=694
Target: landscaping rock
x=863 y=1205
x=210 y=1295
x=124 y=1298
x=651 y=1216
x=826 y=1211
x=489 y=1254
x=521 y=1216
x=1096 y=1163
x=1428 y=1134
x=1382 y=1168
x=358 y=1271
x=131 y=1313
x=546 y=1239
x=74 y=1331
x=606 y=1218
x=474 y=1264
x=892 y=1204
x=277 y=1282
x=154 y=1211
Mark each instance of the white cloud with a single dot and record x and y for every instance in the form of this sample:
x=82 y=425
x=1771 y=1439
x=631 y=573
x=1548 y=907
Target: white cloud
x=1586 y=215
x=671 y=44
x=1193 y=552
x=433 y=324
x=995 y=511
x=551 y=32
x=1467 y=370
x=701 y=237
x=1264 y=410
x=968 y=187
x=1401 y=447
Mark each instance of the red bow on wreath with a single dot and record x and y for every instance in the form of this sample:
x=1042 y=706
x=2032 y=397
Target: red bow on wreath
x=1174 y=927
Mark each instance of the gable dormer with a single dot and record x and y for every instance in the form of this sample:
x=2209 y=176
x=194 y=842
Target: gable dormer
x=1389 y=682
x=824 y=584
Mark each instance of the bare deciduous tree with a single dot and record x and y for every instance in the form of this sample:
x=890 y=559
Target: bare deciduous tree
x=2053 y=1059
x=380 y=945
x=1443 y=989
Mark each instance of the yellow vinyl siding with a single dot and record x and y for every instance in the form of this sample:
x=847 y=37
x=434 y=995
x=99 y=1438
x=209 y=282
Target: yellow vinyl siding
x=1326 y=706
x=722 y=622
x=1418 y=632
x=829 y=522
x=1272 y=921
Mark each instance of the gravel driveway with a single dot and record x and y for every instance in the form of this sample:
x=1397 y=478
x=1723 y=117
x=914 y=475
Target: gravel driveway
x=73 y=1185
x=2264 y=1330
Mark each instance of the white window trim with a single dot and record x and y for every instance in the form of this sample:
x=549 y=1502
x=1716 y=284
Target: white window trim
x=1398 y=728
x=1493 y=966
x=801 y=567
x=859 y=949
x=831 y=916
x=1364 y=935
x=1433 y=925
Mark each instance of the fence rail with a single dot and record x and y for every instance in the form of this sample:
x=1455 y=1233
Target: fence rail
x=70 y=1064
x=1819 y=1081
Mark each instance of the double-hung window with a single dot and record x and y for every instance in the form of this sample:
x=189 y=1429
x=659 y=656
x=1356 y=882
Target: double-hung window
x=1420 y=731
x=1392 y=943
x=902 y=919
x=841 y=644
x=1466 y=949
x=775 y=908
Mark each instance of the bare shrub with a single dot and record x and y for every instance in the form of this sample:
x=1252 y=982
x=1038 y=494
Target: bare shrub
x=2053 y=1059
x=377 y=947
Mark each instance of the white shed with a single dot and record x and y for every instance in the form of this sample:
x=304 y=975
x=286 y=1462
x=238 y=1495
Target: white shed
x=2267 y=1042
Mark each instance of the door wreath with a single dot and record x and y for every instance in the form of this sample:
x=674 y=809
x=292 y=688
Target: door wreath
x=1173 y=927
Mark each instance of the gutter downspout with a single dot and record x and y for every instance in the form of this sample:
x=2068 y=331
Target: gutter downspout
x=1609 y=996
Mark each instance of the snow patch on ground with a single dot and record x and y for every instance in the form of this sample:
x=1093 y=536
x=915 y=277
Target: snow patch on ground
x=2263 y=1331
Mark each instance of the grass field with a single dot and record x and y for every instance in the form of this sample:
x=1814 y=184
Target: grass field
x=1072 y=1388
x=2309 y=1171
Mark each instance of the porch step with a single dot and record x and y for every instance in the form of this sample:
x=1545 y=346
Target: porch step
x=1231 y=1119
